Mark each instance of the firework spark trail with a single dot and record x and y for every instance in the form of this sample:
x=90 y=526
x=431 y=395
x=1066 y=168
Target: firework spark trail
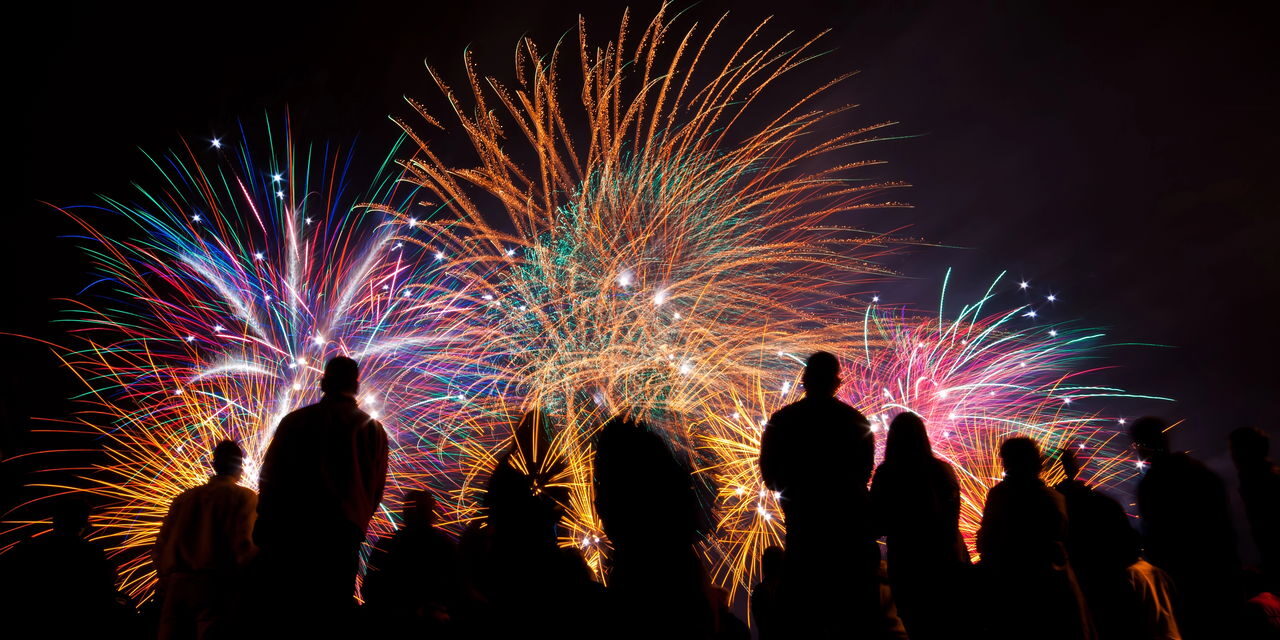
x=243 y=275
x=976 y=378
x=666 y=259
x=637 y=244
x=641 y=263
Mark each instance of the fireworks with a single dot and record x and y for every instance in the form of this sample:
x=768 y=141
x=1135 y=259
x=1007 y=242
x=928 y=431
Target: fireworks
x=213 y=317
x=636 y=265
x=975 y=378
x=661 y=247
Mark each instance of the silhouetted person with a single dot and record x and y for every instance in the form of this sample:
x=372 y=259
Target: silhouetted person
x=59 y=585
x=765 y=601
x=1023 y=542
x=818 y=454
x=1127 y=597
x=202 y=551
x=916 y=501
x=530 y=582
x=1187 y=531
x=321 y=481
x=658 y=587
x=414 y=582
x=1260 y=492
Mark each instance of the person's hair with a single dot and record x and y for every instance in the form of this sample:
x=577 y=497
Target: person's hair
x=771 y=561
x=419 y=507
x=1020 y=456
x=1070 y=463
x=70 y=515
x=1149 y=432
x=821 y=373
x=1250 y=443
x=228 y=458
x=908 y=439
x=341 y=375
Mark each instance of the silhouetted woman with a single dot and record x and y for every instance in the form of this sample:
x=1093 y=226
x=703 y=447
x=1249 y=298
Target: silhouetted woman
x=916 y=502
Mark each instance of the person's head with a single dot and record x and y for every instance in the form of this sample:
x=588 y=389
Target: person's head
x=1149 y=437
x=908 y=439
x=1070 y=464
x=1020 y=457
x=70 y=516
x=341 y=377
x=771 y=562
x=419 y=508
x=821 y=375
x=1249 y=446
x=228 y=459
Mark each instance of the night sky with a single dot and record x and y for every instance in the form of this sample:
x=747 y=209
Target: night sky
x=1122 y=159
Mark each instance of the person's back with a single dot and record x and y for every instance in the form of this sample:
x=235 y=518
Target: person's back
x=1260 y=492
x=59 y=584
x=528 y=582
x=320 y=484
x=1023 y=540
x=796 y=440
x=658 y=587
x=818 y=455
x=916 y=502
x=1187 y=531
x=202 y=550
x=414 y=583
x=326 y=466
x=1128 y=599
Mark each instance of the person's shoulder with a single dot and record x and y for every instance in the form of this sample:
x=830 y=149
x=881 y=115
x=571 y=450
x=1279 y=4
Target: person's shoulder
x=787 y=412
x=187 y=495
x=241 y=492
x=848 y=413
x=370 y=424
x=295 y=418
x=941 y=469
x=849 y=410
x=1054 y=496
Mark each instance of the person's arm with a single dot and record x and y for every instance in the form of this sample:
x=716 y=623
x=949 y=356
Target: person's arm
x=159 y=560
x=988 y=539
x=881 y=503
x=378 y=468
x=246 y=515
x=770 y=466
x=865 y=456
x=269 y=479
x=951 y=502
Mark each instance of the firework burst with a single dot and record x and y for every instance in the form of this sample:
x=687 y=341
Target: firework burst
x=212 y=318
x=976 y=378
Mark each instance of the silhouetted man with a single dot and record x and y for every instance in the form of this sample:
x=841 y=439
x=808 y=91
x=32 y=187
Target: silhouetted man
x=415 y=582
x=1128 y=598
x=1260 y=491
x=1186 y=527
x=1023 y=542
x=818 y=454
x=202 y=551
x=321 y=481
x=59 y=585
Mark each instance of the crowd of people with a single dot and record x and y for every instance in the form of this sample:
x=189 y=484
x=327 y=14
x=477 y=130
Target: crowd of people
x=1061 y=562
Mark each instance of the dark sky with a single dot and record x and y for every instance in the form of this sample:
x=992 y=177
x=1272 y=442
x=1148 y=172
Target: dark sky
x=1118 y=157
